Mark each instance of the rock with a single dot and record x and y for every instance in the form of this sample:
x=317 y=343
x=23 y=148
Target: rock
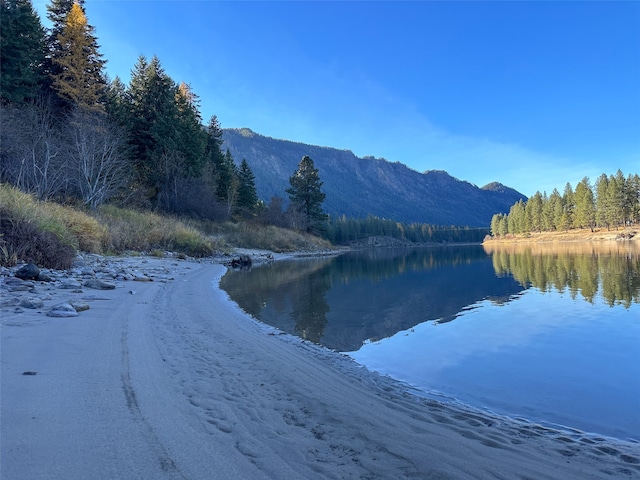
x=32 y=303
x=70 y=285
x=243 y=261
x=96 y=297
x=20 y=288
x=43 y=277
x=99 y=284
x=9 y=302
x=79 y=306
x=143 y=278
x=62 y=310
x=28 y=272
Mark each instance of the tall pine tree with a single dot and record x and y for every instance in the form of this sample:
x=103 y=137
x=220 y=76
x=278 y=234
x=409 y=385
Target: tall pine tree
x=78 y=65
x=306 y=196
x=247 y=197
x=585 y=207
x=151 y=120
x=191 y=138
x=22 y=50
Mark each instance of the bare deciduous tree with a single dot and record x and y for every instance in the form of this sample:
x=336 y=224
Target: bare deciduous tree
x=31 y=156
x=97 y=156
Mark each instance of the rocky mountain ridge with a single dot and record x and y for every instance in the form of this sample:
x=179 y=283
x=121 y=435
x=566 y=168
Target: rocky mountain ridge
x=357 y=187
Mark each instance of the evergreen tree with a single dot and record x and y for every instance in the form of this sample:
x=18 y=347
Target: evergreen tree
x=621 y=199
x=306 y=196
x=534 y=212
x=603 y=202
x=502 y=226
x=78 y=76
x=495 y=223
x=517 y=218
x=247 y=197
x=214 y=141
x=151 y=121
x=191 y=137
x=22 y=50
x=117 y=102
x=568 y=208
x=585 y=207
x=57 y=12
x=633 y=193
x=226 y=180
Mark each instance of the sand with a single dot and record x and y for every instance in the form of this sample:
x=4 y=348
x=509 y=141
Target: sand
x=174 y=381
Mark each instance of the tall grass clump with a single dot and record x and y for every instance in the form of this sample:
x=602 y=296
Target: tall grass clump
x=269 y=237
x=44 y=233
x=145 y=231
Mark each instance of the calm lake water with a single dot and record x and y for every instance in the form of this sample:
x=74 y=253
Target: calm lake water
x=550 y=335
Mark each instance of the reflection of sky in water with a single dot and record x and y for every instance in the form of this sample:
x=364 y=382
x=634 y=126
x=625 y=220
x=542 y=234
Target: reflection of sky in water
x=543 y=356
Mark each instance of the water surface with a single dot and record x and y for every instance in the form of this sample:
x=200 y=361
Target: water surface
x=548 y=335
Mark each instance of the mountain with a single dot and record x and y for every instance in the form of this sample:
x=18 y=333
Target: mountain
x=357 y=187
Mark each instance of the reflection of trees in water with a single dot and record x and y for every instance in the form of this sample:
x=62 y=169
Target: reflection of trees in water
x=613 y=269
x=383 y=263
x=297 y=287
x=343 y=301
x=310 y=307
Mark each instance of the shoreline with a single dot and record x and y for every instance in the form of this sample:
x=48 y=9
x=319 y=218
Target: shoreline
x=183 y=383
x=623 y=235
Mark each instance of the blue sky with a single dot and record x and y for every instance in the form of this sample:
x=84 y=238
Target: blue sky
x=531 y=94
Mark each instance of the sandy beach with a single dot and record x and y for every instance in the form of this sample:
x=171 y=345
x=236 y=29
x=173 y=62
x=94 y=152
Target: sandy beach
x=169 y=379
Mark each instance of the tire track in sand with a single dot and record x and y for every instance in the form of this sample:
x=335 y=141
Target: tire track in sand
x=164 y=458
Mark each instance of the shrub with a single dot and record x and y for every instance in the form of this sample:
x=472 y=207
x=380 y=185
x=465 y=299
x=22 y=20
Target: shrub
x=23 y=239
x=145 y=231
x=45 y=233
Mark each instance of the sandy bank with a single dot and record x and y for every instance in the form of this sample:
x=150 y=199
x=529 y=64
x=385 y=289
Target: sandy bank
x=598 y=235
x=173 y=381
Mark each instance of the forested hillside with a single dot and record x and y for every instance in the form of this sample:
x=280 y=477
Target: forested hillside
x=358 y=187
x=614 y=201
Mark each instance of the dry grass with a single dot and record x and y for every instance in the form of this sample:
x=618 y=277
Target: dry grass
x=144 y=231
x=44 y=233
x=268 y=237
x=49 y=234
x=577 y=235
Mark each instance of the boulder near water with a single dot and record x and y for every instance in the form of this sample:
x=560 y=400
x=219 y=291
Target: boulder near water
x=28 y=272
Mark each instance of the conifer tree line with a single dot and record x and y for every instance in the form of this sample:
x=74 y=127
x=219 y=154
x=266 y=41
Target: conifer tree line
x=69 y=133
x=344 y=230
x=613 y=202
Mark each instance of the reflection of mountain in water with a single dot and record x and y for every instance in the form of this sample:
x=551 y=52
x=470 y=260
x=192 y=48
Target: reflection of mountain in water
x=344 y=301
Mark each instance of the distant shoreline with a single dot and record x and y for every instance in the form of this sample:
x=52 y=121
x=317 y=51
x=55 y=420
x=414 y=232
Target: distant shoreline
x=621 y=235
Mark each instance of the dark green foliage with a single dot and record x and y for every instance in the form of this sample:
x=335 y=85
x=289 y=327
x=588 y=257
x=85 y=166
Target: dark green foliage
x=215 y=155
x=150 y=117
x=306 y=196
x=165 y=129
x=226 y=179
x=247 y=197
x=22 y=51
x=116 y=101
x=344 y=230
x=24 y=240
x=585 y=207
x=616 y=204
x=191 y=137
